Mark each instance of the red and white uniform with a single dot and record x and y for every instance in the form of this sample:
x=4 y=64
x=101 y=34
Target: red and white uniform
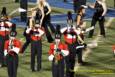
x=113 y=48
x=70 y=34
x=64 y=51
x=15 y=49
x=36 y=33
x=5 y=28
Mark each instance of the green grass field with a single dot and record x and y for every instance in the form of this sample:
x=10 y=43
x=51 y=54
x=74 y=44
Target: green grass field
x=100 y=62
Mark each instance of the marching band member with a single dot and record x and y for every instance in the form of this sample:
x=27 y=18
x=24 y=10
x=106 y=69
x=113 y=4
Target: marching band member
x=38 y=13
x=11 y=50
x=99 y=15
x=113 y=48
x=71 y=37
x=36 y=34
x=80 y=46
x=5 y=27
x=80 y=27
x=46 y=20
x=28 y=39
x=37 y=16
x=57 y=52
x=80 y=15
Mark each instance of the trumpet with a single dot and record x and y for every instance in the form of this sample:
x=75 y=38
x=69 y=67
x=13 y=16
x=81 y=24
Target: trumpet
x=11 y=44
x=56 y=53
x=10 y=47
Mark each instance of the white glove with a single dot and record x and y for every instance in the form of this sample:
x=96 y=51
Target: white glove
x=37 y=35
x=51 y=57
x=16 y=50
x=84 y=6
x=5 y=52
x=114 y=51
x=65 y=52
x=79 y=47
x=90 y=28
x=28 y=30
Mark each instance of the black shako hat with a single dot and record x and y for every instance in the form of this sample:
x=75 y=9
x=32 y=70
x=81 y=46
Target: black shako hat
x=57 y=32
x=13 y=34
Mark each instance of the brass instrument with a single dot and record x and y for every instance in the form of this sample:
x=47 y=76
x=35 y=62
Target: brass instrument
x=11 y=44
x=56 y=53
x=10 y=47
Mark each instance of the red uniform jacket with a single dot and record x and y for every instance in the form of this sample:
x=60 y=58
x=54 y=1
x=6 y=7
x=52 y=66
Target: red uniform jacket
x=113 y=47
x=61 y=46
x=16 y=46
x=35 y=33
x=70 y=35
x=5 y=28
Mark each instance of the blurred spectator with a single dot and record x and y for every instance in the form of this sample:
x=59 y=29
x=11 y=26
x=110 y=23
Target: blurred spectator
x=64 y=0
x=78 y=3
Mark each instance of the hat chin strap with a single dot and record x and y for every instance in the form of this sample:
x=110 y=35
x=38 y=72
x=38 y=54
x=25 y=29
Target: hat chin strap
x=12 y=37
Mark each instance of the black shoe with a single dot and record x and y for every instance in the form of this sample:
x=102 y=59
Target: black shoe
x=113 y=55
x=0 y=65
x=33 y=70
x=3 y=65
x=38 y=69
x=81 y=63
x=50 y=41
x=104 y=36
x=89 y=36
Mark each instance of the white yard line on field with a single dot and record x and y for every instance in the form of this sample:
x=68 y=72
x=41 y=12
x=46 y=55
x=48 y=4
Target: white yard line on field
x=14 y=11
